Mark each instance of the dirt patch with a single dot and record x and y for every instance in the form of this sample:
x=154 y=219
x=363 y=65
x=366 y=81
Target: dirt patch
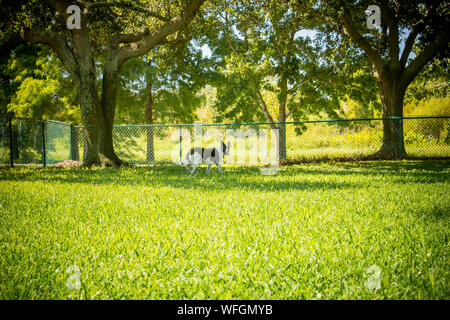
x=67 y=163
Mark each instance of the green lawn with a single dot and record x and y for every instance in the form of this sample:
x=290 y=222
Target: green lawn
x=324 y=231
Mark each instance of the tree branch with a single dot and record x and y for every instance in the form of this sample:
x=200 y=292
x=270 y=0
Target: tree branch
x=427 y=54
x=141 y=43
x=228 y=38
x=317 y=87
x=410 y=42
x=393 y=32
x=122 y=5
x=10 y=44
x=56 y=43
x=263 y=106
x=416 y=30
x=350 y=30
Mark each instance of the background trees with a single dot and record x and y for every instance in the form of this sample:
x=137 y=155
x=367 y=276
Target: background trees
x=240 y=61
x=119 y=30
x=411 y=34
x=272 y=65
x=41 y=88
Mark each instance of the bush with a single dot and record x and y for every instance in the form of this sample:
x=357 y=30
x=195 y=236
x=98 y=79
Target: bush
x=429 y=129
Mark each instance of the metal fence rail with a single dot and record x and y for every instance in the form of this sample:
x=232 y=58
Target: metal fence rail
x=47 y=142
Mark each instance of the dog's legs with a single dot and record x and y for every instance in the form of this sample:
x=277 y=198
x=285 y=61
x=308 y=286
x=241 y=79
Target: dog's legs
x=187 y=167
x=194 y=168
x=220 y=168
x=207 y=170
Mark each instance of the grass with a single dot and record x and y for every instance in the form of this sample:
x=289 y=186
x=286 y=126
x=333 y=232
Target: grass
x=310 y=232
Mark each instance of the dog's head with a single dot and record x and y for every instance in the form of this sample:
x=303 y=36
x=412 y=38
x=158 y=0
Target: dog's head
x=226 y=148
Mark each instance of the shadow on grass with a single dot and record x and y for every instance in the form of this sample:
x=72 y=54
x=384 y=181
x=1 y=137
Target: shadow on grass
x=436 y=212
x=247 y=178
x=237 y=179
x=423 y=171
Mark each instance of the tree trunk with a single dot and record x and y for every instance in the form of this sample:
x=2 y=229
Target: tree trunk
x=392 y=94
x=106 y=150
x=91 y=117
x=282 y=141
x=282 y=119
x=15 y=142
x=84 y=73
x=149 y=121
x=108 y=108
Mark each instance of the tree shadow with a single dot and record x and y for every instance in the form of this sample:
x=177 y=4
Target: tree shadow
x=437 y=212
x=242 y=178
x=175 y=177
x=400 y=171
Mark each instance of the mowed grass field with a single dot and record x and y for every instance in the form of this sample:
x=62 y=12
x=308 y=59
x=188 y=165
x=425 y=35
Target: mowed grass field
x=367 y=230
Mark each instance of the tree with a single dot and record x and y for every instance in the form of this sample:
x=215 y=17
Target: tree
x=264 y=48
x=40 y=87
x=119 y=30
x=167 y=83
x=433 y=81
x=419 y=28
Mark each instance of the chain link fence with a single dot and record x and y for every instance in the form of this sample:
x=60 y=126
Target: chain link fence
x=46 y=142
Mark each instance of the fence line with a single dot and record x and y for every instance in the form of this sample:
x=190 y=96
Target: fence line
x=46 y=142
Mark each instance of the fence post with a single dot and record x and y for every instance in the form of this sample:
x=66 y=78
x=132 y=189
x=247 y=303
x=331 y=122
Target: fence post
x=44 y=157
x=85 y=144
x=181 y=139
x=74 y=143
x=284 y=140
x=71 y=141
x=11 y=147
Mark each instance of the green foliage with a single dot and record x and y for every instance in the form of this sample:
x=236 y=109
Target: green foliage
x=155 y=233
x=269 y=47
x=354 y=110
x=174 y=76
x=433 y=81
x=431 y=128
x=41 y=88
x=33 y=98
x=431 y=107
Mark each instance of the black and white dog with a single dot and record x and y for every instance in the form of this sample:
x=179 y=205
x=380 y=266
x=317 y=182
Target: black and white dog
x=209 y=156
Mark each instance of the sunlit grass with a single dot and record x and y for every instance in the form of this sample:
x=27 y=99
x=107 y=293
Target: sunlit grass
x=156 y=233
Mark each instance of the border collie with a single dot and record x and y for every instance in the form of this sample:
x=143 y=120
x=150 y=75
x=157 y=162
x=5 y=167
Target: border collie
x=210 y=156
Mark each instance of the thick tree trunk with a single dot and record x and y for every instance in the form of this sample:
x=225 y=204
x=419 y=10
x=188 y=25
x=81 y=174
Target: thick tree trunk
x=91 y=117
x=149 y=121
x=392 y=94
x=108 y=107
x=82 y=66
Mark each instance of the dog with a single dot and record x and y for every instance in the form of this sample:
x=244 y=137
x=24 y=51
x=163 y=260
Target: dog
x=210 y=156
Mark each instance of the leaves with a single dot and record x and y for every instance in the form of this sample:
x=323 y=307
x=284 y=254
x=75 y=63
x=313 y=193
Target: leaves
x=41 y=87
